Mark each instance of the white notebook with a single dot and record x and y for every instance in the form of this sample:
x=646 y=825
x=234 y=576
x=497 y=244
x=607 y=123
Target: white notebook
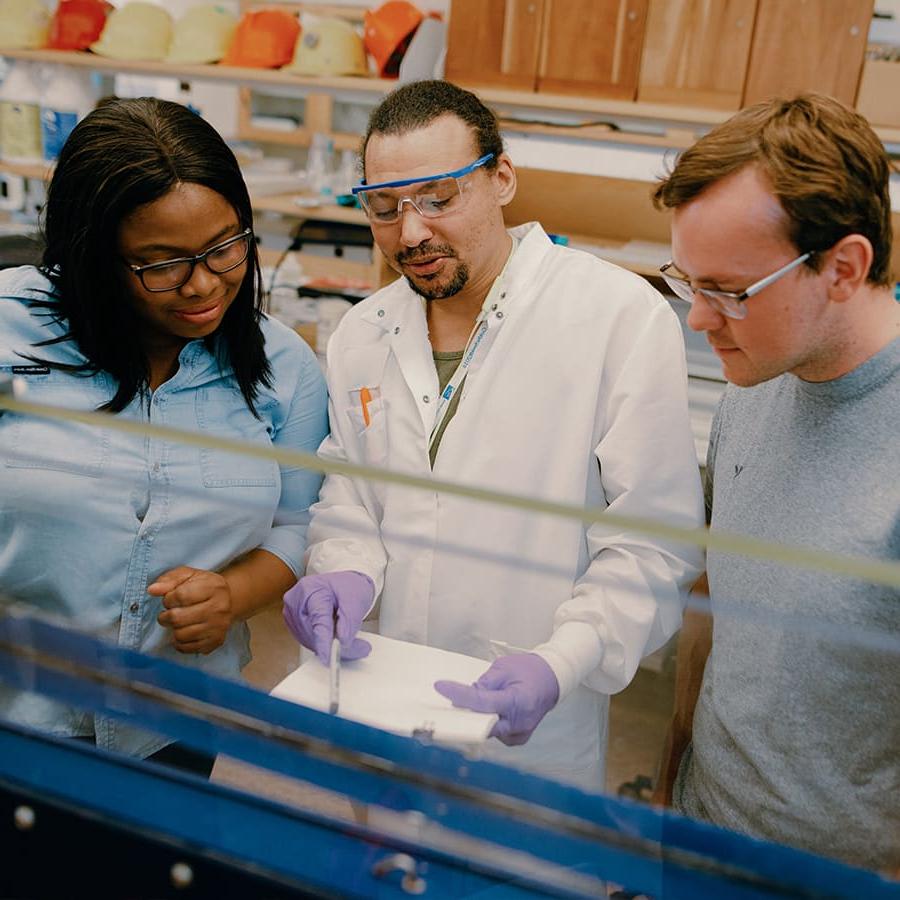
x=393 y=689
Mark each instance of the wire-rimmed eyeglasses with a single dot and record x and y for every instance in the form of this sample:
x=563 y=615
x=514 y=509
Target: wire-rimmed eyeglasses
x=728 y=303
x=173 y=273
x=436 y=195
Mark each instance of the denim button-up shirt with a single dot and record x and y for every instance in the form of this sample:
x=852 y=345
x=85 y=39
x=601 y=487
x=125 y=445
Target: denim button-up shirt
x=89 y=516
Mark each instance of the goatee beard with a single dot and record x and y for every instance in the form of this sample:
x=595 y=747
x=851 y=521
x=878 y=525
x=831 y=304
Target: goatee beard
x=439 y=292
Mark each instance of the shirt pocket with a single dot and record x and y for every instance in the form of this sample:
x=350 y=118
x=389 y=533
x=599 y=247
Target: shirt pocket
x=54 y=444
x=224 y=413
x=372 y=438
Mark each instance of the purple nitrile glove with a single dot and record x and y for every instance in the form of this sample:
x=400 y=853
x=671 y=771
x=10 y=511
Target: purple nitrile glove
x=521 y=688
x=310 y=606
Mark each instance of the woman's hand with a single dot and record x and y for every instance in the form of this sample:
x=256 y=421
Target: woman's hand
x=197 y=607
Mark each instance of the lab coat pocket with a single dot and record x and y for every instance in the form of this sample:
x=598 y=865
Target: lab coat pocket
x=371 y=437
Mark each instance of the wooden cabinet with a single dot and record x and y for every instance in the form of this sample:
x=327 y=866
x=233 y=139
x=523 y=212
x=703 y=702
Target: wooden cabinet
x=592 y=47
x=495 y=43
x=696 y=52
x=583 y=47
x=808 y=45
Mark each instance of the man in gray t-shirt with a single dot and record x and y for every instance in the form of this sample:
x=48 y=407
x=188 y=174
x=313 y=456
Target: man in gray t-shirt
x=781 y=240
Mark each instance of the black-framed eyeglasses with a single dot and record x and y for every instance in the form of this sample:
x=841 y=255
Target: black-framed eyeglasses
x=173 y=273
x=728 y=303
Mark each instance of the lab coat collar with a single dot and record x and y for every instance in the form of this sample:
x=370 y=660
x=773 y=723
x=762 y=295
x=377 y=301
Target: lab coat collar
x=398 y=311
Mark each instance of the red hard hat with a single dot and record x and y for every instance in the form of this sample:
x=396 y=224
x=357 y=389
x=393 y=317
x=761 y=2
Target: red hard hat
x=388 y=31
x=76 y=24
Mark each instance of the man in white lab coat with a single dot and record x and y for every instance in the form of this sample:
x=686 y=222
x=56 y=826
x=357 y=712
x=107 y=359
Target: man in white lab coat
x=504 y=361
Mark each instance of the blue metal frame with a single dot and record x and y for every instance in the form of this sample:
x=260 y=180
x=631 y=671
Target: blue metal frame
x=571 y=837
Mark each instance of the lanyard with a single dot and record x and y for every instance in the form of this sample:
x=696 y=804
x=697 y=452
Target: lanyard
x=477 y=346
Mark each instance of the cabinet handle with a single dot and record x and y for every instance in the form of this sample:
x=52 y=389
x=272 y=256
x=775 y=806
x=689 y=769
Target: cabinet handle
x=411 y=882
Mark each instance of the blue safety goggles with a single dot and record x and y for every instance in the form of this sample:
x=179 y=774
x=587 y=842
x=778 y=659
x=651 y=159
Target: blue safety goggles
x=436 y=195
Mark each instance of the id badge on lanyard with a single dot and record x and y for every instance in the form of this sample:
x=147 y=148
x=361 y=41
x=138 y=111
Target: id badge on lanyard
x=477 y=347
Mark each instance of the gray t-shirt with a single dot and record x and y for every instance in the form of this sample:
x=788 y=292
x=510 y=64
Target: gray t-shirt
x=797 y=727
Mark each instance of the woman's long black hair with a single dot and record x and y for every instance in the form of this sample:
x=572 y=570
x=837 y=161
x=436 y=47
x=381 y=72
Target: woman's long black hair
x=122 y=155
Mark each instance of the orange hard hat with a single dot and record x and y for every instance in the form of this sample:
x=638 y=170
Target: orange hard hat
x=388 y=31
x=76 y=24
x=264 y=39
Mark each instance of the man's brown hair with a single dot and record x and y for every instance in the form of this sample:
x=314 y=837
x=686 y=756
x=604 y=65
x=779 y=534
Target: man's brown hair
x=825 y=164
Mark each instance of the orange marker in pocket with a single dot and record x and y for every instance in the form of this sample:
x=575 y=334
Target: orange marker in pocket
x=365 y=398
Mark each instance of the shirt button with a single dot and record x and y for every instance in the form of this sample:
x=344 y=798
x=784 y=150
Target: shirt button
x=134 y=607
x=426 y=399
x=155 y=468
x=499 y=315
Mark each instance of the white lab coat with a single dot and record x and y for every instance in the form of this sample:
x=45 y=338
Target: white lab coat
x=581 y=399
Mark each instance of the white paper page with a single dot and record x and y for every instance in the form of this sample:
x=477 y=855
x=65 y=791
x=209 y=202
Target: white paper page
x=392 y=689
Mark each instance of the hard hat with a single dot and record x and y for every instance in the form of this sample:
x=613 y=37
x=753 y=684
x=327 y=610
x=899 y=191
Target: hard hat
x=76 y=24
x=136 y=30
x=23 y=24
x=388 y=31
x=328 y=46
x=202 y=35
x=264 y=39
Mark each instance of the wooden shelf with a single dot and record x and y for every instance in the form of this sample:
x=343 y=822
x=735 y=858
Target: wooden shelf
x=41 y=171
x=230 y=74
x=286 y=205
x=671 y=116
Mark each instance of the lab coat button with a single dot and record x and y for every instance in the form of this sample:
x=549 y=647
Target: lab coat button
x=380 y=313
x=397 y=330
x=499 y=315
x=426 y=399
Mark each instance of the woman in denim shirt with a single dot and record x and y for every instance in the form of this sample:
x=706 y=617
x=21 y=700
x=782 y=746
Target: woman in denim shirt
x=148 y=306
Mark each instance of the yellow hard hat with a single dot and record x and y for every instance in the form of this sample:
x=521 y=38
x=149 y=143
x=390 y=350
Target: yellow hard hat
x=137 y=30
x=328 y=46
x=202 y=35
x=24 y=24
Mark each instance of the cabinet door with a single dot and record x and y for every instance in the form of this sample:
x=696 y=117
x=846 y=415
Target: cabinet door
x=494 y=42
x=808 y=45
x=696 y=52
x=592 y=47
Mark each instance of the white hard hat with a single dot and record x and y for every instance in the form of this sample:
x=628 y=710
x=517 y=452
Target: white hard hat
x=138 y=30
x=202 y=35
x=328 y=46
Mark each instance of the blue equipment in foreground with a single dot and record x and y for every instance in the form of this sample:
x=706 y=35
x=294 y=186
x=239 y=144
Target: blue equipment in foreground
x=80 y=821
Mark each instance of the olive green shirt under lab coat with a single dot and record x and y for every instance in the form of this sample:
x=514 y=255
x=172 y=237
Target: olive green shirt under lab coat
x=446 y=364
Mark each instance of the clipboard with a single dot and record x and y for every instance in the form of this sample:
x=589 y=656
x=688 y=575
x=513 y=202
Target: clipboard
x=393 y=689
